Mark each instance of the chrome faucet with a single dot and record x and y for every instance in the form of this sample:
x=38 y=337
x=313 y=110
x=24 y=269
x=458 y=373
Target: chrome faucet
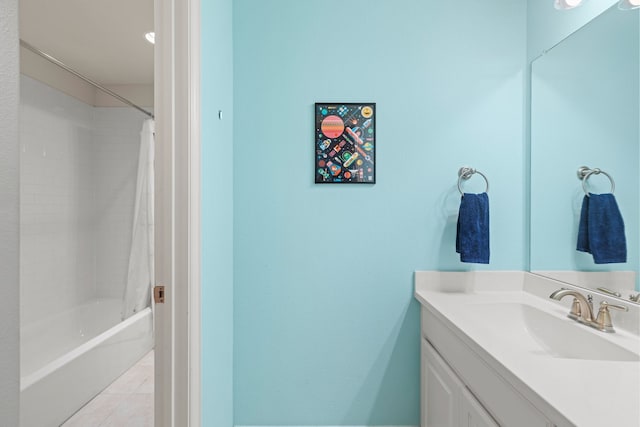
x=582 y=310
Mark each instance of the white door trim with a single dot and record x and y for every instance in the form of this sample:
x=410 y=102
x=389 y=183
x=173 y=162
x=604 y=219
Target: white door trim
x=177 y=111
x=195 y=232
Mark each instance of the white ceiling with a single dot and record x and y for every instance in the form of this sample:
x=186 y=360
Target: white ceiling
x=102 y=39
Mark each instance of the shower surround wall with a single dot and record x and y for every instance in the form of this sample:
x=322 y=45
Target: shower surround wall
x=78 y=174
x=57 y=255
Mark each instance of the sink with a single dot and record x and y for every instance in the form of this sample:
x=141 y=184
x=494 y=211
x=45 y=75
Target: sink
x=538 y=332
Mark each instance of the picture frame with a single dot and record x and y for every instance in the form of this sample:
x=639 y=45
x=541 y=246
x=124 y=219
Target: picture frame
x=345 y=143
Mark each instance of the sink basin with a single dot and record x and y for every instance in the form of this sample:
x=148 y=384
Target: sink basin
x=538 y=332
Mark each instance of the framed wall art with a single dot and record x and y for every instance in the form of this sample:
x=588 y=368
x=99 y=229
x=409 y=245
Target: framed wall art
x=345 y=142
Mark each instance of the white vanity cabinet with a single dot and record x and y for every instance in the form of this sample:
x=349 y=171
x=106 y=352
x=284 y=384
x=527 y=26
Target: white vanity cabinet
x=439 y=390
x=497 y=351
x=459 y=388
x=473 y=413
x=446 y=402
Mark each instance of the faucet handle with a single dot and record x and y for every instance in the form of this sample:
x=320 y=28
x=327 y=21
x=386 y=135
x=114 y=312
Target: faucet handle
x=603 y=321
x=576 y=311
x=616 y=306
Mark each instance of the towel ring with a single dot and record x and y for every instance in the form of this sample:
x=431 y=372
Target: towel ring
x=584 y=172
x=465 y=173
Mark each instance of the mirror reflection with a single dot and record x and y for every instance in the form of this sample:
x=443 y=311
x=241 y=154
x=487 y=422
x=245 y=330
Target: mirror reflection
x=585 y=112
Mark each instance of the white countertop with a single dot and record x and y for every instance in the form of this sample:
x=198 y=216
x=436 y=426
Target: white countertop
x=586 y=392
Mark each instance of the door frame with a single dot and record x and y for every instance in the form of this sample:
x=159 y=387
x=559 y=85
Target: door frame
x=177 y=209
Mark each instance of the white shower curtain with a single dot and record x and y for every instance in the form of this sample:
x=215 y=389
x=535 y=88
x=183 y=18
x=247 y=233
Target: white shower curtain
x=137 y=292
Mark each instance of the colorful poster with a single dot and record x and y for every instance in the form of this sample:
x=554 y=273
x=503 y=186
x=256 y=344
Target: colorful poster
x=345 y=143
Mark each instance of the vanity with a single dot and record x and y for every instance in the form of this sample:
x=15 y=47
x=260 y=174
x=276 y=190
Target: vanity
x=497 y=347
x=496 y=351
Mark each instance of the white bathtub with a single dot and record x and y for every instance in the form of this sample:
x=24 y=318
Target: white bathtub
x=69 y=358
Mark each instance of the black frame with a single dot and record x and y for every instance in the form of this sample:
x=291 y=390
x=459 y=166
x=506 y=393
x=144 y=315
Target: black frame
x=322 y=155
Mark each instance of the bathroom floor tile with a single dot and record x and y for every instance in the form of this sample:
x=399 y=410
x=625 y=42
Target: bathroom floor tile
x=130 y=380
x=96 y=411
x=136 y=410
x=147 y=360
x=128 y=401
x=146 y=387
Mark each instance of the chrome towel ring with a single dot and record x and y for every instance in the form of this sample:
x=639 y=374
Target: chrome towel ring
x=465 y=173
x=584 y=172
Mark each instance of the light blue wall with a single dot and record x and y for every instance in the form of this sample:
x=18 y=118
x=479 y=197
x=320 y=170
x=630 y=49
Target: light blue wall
x=217 y=214
x=326 y=329
x=548 y=26
x=585 y=109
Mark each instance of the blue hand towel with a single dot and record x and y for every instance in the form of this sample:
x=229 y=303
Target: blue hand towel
x=601 y=229
x=583 y=229
x=472 y=238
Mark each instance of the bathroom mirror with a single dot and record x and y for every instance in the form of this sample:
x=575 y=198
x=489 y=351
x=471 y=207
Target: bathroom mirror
x=585 y=97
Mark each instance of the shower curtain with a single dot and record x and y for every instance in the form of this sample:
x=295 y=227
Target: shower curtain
x=137 y=292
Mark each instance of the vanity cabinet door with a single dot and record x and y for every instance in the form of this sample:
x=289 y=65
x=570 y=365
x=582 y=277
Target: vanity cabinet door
x=440 y=394
x=473 y=414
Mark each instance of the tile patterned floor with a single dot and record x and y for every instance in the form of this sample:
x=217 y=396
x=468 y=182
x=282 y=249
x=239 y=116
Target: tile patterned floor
x=128 y=401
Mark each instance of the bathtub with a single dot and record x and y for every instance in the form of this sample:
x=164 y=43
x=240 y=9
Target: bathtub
x=69 y=358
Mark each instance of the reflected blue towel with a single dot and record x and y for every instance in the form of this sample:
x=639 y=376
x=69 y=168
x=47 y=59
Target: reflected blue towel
x=472 y=238
x=601 y=229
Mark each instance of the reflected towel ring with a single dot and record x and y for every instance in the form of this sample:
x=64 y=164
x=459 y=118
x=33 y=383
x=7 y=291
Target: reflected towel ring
x=465 y=173
x=584 y=172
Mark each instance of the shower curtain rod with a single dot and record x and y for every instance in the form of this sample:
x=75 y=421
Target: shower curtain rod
x=86 y=79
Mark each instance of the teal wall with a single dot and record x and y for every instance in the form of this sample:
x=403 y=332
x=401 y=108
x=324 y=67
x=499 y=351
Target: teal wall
x=326 y=331
x=217 y=214
x=547 y=26
x=585 y=109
